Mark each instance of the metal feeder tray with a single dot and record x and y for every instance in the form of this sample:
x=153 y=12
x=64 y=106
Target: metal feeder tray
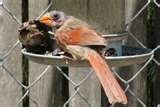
x=130 y=56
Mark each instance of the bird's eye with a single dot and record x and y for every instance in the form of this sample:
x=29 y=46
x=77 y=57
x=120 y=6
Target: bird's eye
x=56 y=16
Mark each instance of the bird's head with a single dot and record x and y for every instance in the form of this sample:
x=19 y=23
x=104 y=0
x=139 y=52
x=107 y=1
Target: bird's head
x=53 y=18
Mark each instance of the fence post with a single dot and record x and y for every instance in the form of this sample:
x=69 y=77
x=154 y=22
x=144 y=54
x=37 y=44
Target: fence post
x=47 y=92
x=90 y=89
x=10 y=90
x=138 y=28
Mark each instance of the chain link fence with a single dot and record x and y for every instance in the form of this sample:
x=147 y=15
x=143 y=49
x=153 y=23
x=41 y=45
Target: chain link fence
x=5 y=57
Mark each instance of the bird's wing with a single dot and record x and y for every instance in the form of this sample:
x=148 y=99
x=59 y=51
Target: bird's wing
x=83 y=36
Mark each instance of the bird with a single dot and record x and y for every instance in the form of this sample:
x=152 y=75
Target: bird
x=34 y=37
x=80 y=40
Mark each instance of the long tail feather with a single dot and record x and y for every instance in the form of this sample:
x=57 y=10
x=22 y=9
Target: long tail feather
x=111 y=87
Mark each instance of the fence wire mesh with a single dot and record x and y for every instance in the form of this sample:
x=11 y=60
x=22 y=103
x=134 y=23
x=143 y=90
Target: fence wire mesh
x=76 y=86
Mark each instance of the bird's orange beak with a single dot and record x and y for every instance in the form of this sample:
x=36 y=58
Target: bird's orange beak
x=48 y=20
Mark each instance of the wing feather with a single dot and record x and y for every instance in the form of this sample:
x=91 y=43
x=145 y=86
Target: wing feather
x=81 y=36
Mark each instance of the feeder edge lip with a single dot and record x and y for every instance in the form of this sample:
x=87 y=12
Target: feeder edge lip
x=109 y=57
x=115 y=35
x=129 y=56
x=40 y=55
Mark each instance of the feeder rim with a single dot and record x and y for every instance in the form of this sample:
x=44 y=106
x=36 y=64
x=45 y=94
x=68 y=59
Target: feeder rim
x=109 y=57
x=129 y=56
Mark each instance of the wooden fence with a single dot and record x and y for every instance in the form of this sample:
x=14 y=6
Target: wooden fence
x=52 y=90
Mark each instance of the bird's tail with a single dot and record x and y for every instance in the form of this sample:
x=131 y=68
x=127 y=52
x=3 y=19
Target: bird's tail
x=110 y=85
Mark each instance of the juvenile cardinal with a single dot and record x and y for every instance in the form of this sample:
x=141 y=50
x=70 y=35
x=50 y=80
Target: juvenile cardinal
x=34 y=37
x=76 y=38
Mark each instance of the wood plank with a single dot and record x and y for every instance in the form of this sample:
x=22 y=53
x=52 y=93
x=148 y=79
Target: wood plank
x=47 y=91
x=138 y=86
x=139 y=30
x=90 y=89
x=36 y=8
x=10 y=90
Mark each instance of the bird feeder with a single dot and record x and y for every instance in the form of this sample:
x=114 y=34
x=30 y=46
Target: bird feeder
x=125 y=55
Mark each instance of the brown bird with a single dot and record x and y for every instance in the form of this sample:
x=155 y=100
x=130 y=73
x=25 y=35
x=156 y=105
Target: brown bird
x=34 y=37
x=76 y=37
